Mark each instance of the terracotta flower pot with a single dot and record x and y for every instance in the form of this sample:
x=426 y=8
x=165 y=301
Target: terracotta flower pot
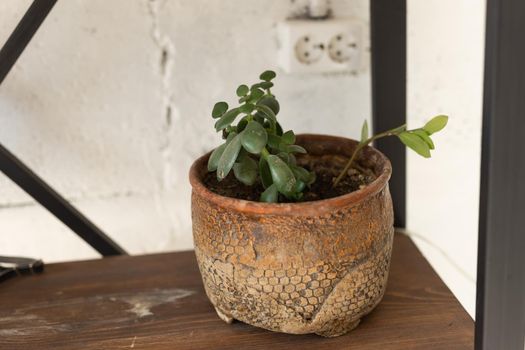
x=312 y=267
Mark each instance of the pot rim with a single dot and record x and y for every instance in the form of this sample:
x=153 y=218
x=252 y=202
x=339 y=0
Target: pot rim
x=294 y=209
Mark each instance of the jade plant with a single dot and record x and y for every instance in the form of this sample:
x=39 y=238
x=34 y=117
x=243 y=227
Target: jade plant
x=259 y=151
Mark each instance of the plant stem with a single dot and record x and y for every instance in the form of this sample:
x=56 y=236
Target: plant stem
x=265 y=153
x=363 y=144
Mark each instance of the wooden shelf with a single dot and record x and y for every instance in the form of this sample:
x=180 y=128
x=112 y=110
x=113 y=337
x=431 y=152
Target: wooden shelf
x=158 y=302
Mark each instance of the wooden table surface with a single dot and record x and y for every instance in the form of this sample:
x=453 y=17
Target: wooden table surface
x=158 y=302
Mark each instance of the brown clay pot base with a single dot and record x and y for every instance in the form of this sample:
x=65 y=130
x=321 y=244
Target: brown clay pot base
x=326 y=167
x=343 y=329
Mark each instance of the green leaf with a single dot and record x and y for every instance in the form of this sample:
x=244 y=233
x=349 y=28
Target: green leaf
x=300 y=173
x=274 y=141
x=270 y=195
x=254 y=137
x=278 y=129
x=295 y=149
x=284 y=156
x=312 y=179
x=289 y=137
x=256 y=94
x=219 y=109
x=246 y=170
x=266 y=85
x=263 y=85
x=247 y=108
x=242 y=124
x=213 y=161
x=228 y=157
x=364 y=132
x=271 y=102
x=264 y=171
x=299 y=187
x=258 y=117
x=291 y=159
x=416 y=143
x=227 y=119
x=423 y=134
x=282 y=175
x=242 y=90
x=230 y=137
x=436 y=124
x=267 y=75
x=267 y=112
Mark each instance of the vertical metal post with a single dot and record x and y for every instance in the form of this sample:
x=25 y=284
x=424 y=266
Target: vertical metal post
x=388 y=31
x=500 y=304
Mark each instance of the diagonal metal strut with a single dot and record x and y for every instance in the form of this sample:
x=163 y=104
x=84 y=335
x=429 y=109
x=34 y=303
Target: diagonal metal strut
x=21 y=174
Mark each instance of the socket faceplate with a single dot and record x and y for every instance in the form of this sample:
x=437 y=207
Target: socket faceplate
x=321 y=46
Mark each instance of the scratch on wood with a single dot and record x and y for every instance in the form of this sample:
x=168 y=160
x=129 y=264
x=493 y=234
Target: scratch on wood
x=44 y=317
x=133 y=342
x=141 y=303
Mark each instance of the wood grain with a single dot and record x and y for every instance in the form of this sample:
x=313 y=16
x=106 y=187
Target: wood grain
x=158 y=302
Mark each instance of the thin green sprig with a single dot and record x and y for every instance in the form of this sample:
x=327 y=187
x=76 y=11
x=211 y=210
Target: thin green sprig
x=416 y=139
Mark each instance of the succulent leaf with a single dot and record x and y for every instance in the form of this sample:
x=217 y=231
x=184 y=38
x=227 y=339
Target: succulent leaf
x=228 y=157
x=282 y=175
x=242 y=90
x=254 y=137
x=289 y=137
x=270 y=195
x=245 y=170
x=267 y=75
x=227 y=119
x=219 y=109
x=265 y=173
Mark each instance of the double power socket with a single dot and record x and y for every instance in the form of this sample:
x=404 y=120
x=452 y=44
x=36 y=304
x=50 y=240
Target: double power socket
x=321 y=46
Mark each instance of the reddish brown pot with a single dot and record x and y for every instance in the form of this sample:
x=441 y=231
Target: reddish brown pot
x=313 y=267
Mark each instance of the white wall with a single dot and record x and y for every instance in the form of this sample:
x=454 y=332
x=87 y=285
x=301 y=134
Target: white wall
x=445 y=75
x=87 y=104
x=87 y=108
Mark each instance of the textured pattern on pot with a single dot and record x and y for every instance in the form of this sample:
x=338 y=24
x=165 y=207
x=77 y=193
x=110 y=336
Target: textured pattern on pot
x=312 y=267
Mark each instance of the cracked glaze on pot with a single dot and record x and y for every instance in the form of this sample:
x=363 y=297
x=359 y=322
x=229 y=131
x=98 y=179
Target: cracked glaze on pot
x=312 y=267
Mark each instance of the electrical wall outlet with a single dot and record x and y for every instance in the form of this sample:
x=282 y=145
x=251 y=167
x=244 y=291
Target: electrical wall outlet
x=308 y=49
x=343 y=48
x=321 y=46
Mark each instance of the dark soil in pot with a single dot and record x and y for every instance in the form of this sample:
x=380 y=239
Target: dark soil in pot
x=326 y=167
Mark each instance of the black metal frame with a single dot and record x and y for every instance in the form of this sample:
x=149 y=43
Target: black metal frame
x=500 y=304
x=22 y=174
x=44 y=194
x=500 y=311
x=24 y=31
x=388 y=34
